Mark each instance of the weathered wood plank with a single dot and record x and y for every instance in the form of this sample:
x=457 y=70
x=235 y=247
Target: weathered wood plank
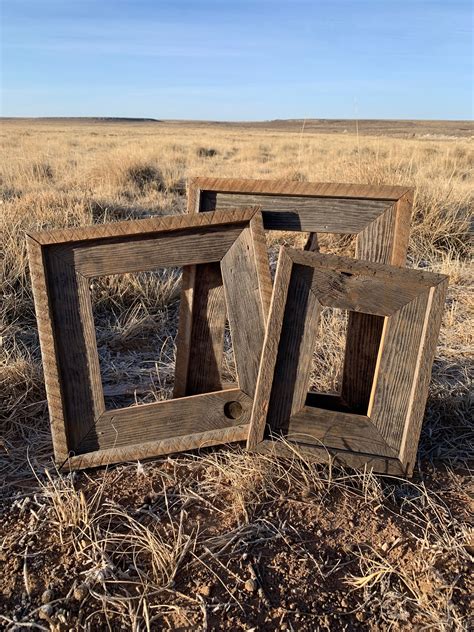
x=398 y=366
x=364 y=332
x=303 y=214
x=152 y=449
x=136 y=254
x=243 y=293
x=342 y=431
x=48 y=350
x=166 y=420
x=311 y=453
x=422 y=374
x=206 y=346
x=312 y=244
x=141 y=227
x=292 y=187
x=295 y=349
x=270 y=350
x=76 y=347
x=408 y=278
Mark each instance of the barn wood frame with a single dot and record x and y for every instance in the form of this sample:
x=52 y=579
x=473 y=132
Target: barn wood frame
x=378 y=215
x=62 y=263
x=385 y=435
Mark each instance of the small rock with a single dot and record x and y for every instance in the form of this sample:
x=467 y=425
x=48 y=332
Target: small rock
x=384 y=547
x=80 y=592
x=205 y=590
x=46 y=611
x=251 y=585
x=47 y=596
x=344 y=603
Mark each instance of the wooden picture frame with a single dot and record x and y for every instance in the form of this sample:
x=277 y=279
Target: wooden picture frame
x=378 y=215
x=384 y=436
x=62 y=262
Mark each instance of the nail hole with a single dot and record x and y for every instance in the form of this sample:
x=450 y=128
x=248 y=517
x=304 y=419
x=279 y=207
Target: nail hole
x=233 y=410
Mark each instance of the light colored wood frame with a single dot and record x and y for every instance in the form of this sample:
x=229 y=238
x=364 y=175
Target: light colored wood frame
x=62 y=263
x=385 y=437
x=378 y=215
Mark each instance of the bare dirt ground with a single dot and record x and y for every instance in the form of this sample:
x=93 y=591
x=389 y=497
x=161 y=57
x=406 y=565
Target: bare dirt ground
x=223 y=539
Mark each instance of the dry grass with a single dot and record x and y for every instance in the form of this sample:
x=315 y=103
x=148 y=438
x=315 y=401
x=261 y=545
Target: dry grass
x=223 y=539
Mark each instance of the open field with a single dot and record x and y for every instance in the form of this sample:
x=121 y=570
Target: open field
x=225 y=540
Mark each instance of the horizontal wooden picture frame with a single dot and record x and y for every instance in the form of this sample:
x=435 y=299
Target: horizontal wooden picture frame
x=385 y=436
x=62 y=262
x=379 y=216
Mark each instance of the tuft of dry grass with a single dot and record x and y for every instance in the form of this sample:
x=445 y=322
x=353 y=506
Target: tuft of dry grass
x=224 y=539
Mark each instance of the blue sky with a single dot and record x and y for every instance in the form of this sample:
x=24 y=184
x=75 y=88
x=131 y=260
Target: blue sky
x=237 y=59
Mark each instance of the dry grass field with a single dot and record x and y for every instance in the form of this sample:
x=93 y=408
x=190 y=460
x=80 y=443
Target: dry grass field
x=222 y=539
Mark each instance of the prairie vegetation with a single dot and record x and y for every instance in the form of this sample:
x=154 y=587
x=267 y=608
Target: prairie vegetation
x=224 y=539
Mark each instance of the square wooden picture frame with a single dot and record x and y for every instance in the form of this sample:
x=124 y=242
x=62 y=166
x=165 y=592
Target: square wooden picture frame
x=385 y=436
x=378 y=215
x=62 y=263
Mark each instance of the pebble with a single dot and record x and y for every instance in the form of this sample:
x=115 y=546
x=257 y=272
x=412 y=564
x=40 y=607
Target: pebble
x=47 y=596
x=251 y=585
x=46 y=611
x=205 y=590
x=384 y=546
x=80 y=592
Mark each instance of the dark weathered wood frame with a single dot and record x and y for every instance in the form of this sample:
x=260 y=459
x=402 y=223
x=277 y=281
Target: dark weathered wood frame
x=378 y=215
x=62 y=262
x=384 y=438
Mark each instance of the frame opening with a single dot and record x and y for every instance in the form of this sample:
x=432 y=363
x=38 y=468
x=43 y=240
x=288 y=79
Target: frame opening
x=136 y=321
x=330 y=364
x=136 y=318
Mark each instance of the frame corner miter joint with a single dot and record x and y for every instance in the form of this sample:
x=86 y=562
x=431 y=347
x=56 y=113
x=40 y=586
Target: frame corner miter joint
x=382 y=431
x=62 y=262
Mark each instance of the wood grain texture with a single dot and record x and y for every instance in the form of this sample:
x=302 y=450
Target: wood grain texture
x=314 y=454
x=364 y=333
x=422 y=374
x=156 y=448
x=262 y=264
x=141 y=227
x=270 y=350
x=206 y=345
x=400 y=357
x=243 y=293
x=185 y=327
x=295 y=349
x=312 y=244
x=76 y=346
x=344 y=431
x=48 y=348
x=302 y=213
x=291 y=187
x=411 y=281
x=169 y=419
x=136 y=254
